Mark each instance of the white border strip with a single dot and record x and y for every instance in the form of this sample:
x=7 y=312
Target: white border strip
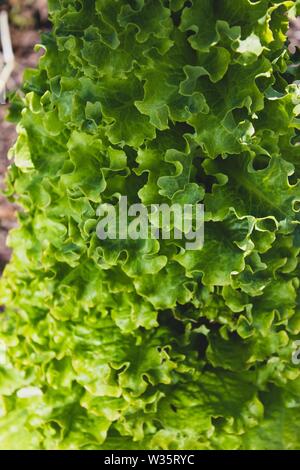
x=8 y=55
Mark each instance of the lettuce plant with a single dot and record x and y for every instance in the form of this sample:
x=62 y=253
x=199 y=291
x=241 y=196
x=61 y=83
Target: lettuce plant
x=123 y=344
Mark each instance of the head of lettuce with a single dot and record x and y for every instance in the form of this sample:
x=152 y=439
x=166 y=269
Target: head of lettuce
x=144 y=344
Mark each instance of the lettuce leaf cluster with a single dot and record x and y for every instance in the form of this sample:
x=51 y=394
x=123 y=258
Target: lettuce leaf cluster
x=141 y=344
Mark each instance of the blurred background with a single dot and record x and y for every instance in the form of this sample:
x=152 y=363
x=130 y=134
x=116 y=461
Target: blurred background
x=294 y=35
x=28 y=18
